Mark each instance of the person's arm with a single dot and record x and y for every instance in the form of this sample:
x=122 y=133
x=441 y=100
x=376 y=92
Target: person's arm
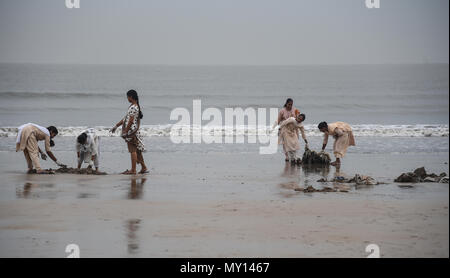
x=50 y=154
x=116 y=126
x=79 y=162
x=325 y=141
x=77 y=150
x=43 y=156
x=302 y=130
x=49 y=151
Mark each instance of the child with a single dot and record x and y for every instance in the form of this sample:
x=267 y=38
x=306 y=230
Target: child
x=88 y=148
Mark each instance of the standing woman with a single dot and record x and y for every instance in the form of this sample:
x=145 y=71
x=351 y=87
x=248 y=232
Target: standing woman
x=131 y=133
x=287 y=112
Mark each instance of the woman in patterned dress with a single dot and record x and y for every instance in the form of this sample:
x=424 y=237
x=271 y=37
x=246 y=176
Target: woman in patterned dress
x=132 y=134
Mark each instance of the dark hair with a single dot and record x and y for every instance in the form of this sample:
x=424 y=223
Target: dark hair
x=133 y=94
x=323 y=125
x=287 y=101
x=81 y=139
x=303 y=116
x=53 y=129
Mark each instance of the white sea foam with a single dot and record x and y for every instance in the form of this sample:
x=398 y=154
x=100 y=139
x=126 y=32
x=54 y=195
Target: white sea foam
x=418 y=130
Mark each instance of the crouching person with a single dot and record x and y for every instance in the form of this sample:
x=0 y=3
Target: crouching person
x=28 y=136
x=88 y=148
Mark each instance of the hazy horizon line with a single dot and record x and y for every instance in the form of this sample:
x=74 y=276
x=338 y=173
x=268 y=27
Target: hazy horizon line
x=231 y=65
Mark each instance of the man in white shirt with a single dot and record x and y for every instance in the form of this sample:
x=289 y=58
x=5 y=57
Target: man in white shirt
x=88 y=148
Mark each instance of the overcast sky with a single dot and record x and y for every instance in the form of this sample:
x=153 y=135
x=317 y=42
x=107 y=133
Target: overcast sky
x=251 y=32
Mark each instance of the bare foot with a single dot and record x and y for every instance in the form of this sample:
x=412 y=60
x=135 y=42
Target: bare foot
x=144 y=171
x=128 y=172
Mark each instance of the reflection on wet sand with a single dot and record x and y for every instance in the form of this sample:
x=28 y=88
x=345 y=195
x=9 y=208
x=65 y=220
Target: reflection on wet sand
x=289 y=185
x=27 y=191
x=338 y=185
x=136 y=189
x=308 y=176
x=131 y=228
x=313 y=172
x=86 y=195
x=321 y=170
x=290 y=170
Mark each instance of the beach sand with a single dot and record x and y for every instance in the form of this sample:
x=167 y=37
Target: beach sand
x=223 y=205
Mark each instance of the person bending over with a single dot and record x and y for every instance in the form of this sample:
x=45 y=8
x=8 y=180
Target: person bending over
x=88 y=148
x=343 y=138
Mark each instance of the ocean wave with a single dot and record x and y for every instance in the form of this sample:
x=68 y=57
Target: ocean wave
x=365 y=130
x=21 y=95
x=175 y=95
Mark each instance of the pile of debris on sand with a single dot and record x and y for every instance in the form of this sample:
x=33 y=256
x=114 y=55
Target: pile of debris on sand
x=357 y=179
x=82 y=171
x=311 y=189
x=44 y=172
x=420 y=175
x=311 y=157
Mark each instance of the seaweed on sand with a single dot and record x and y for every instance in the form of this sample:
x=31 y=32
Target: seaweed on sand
x=311 y=157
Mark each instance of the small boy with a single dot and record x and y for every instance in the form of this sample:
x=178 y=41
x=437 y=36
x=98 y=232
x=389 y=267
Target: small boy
x=88 y=148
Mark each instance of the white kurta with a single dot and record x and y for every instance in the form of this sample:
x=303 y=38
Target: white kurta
x=90 y=148
x=289 y=133
x=342 y=132
x=92 y=143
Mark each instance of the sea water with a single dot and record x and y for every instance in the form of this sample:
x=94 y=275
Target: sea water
x=393 y=108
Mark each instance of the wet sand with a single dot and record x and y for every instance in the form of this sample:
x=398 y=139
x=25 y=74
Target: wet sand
x=223 y=205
